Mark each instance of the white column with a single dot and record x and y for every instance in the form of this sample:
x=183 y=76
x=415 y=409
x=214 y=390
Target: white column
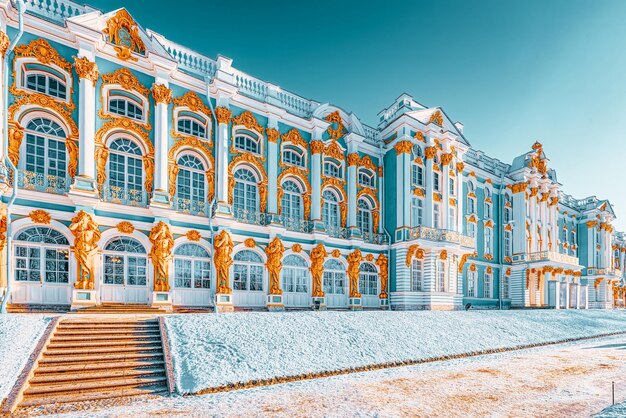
x=352 y=204
x=567 y=291
x=557 y=294
x=316 y=180
x=429 y=175
x=272 y=165
x=223 y=115
x=519 y=216
x=460 y=201
x=162 y=97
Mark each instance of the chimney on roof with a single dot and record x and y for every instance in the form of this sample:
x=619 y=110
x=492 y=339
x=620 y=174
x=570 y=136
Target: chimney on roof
x=459 y=126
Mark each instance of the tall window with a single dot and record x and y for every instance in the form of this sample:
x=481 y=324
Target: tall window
x=47 y=84
x=334 y=278
x=487 y=286
x=364 y=216
x=125 y=106
x=245 y=194
x=505 y=288
x=488 y=211
x=471 y=284
x=488 y=239
x=507 y=243
x=436 y=216
x=45 y=148
x=451 y=187
x=191 y=126
x=417 y=211
x=471 y=229
x=41 y=254
x=452 y=218
x=332 y=169
x=126 y=168
x=291 y=202
x=330 y=210
x=366 y=178
x=471 y=202
x=293 y=156
x=507 y=209
x=125 y=262
x=417 y=175
x=192 y=267
x=248 y=271
x=247 y=144
x=295 y=274
x=442 y=275
x=416 y=275
x=368 y=279
x=191 y=179
x=436 y=182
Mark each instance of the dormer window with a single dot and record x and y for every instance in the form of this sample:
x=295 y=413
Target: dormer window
x=191 y=126
x=332 y=169
x=124 y=105
x=366 y=178
x=293 y=156
x=46 y=80
x=247 y=144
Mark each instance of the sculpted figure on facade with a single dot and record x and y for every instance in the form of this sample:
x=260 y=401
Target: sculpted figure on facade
x=274 y=252
x=318 y=255
x=223 y=247
x=354 y=262
x=86 y=237
x=160 y=254
x=383 y=264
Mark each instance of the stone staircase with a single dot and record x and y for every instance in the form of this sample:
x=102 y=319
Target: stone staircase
x=121 y=309
x=88 y=360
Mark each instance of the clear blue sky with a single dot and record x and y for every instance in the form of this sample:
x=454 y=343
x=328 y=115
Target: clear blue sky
x=512 y=71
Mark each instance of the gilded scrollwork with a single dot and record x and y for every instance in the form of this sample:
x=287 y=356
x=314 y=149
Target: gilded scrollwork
x=248 y=120
x=123 y=33
x=72 y=150
x=86 y=69
x=40 y=216
x=436 y=118
x=125 y=78
x=161 y=94
x=102 y=156
x=223 y=115
x=336 y=128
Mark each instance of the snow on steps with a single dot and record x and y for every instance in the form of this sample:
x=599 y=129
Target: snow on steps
x=217 y=352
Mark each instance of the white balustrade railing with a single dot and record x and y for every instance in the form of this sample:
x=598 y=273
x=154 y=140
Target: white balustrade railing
x=432 y=234
x=57 y=10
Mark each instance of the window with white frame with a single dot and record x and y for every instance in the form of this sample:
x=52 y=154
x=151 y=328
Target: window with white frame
x=417 y=266
x=295 y=274
x=125 y=262
x=191 y=126
x=436 y=216
x=41 y=254
x=332 y=169
x=126 y=169
x=488 y=240
x=247 y=144
x=330 y=209
x=366 y=178
x=505 y=288
x=417 y=175
x=46 y=80
x=471 y=229
x=192 y=267
x=436 y=181
x=471 y=284
x=190 y=185
x=368 y=279
x=507 y=243
x=45 y=149
x=451 y=187
x=442 y=276
x=291 y=202
x=488 y=205
x=417 y=211
x=246 y=191
x=452 y=218
x=487 y=282
x=293 y=156
x=334 y=278
x=248 y=271
x=364 y=216
x=507 y=209
x=126 y=105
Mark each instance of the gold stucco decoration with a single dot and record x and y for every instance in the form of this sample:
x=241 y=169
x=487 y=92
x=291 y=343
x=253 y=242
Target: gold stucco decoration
x=161 y=94
x=160 y=254
x=40 y=216
x=336 y=129
x=436 y=118
x=223 y=248
x=272 y=134
x=125 y=227
x=354 y=262
x=296 y=248
x=294 y=137
x=274 y=252
x=193 y=102
x=125 y=78
x=86 y=237
x=318 y=254
x=86 y=69
x=44 y=52
x=123 y=33
x=4 y=43
x=249 y=243
x=193 y=235
x=403 y=147
x=383 y=265
x=248 y=120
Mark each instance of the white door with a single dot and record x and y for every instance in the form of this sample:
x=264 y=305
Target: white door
x=248 y=280
x=296 y=282
x=368 y=286
x=192 y=276
x=125 y=272
x=335 y=284
x=41 y=267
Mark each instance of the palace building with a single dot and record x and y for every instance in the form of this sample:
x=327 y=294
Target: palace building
x=137 y=171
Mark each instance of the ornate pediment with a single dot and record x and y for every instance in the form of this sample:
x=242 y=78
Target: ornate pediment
x=123 y=33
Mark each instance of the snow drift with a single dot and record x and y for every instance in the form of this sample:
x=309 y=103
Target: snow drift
x=212 y=350
x=19 y=335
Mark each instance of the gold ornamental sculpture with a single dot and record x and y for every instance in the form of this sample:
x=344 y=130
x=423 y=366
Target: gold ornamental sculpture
x=223 y=248
x=318 y=254
x=354 y=262
x=123 y=33
x=86 y=237
x=383 y=264
x=274 y=252
x=160 y=254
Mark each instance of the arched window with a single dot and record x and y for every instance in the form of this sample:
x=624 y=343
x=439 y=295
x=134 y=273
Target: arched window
x=293 y=156
x=45 y=150
x=291 y=202
x=417 y=211
x=245 y=194
x=248 y=271
x=295 y=274
x=123 y=104
x=41 y=255
x=191 y=126
x=487 y=282
x=126 y=171
x=334 y=278
x=488 y=207
x=488 y=239
x=368 y=279
x=192 y=267
x=417 y=151
x=416 y=275
x=247 y=144
x=45 y=80
x=190 y=189
x=125 y=262
x=364 y=216
x=332 y=169
x=366 y=178
x=330 y=209
x=507 y=208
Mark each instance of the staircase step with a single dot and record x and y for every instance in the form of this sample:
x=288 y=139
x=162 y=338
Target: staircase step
x=92 y=396
x=96 y=332
x=108 y=324
x=104 y=343
x=101 y=357
x=51 y=378
x=86 y=386
x=105 y=337
x=96 y=350
x=106 y=365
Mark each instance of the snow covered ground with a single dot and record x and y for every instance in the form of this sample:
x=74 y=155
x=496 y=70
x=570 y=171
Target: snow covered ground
x=565 y=380
x=215 y=350
x=18 y=336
